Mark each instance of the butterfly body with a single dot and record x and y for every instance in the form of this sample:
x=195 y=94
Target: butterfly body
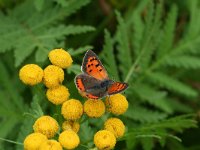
x=94 y=82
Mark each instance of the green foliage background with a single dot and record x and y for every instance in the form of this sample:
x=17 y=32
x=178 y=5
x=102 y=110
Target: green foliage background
x=152 y=45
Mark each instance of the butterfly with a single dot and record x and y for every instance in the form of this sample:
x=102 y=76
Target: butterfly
x=94 y=82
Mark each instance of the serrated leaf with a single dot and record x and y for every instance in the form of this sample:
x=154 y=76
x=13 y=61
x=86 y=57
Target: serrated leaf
x=25 y=30
x=80 y=50
x=184 y=61
x=123 y=48
x=143 y=115
x=172 y=84
x=108 y=56
x=194 y=24
x=168 y=33
x=153 y=97
x=86 y=133
x=34 y=112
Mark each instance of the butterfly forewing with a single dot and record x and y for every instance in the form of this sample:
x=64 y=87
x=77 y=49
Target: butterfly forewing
x=117 y=87
x=93 y=66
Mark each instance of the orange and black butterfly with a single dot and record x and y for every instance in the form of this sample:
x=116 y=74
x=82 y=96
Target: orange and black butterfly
x=94 y=82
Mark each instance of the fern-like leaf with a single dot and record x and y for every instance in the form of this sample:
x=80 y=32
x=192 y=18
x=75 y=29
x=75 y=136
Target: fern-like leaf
x=123 y=47
x=194 y=24
x=144 y=115
x=172 y=84
x=184 y=61
x=108 y=56
x=38 y=32
x=168 y=33
x=33 y=113
x=153 y=97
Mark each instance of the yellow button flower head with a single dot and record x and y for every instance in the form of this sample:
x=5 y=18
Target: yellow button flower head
x=71 y=125
x=53 y=76
x=31 y=74
x=58 y=94
x=50 y=145
x=33 y=141
x=116 y=126
x=94 y=108
x=104 y=140
x=72 y=109
x=46 y=125
x=60 y=58
x=69 y=139
x=117 y=104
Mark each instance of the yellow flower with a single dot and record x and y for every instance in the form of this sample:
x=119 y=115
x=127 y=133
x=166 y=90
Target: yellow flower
x=58 y=94
x=69 y=139
x=46 y=125
x=116 y=126
x=104 y=140
x=50 y=145
x=53 y=76
x=72 y=109
x=71 y=125
x=60 y=58
x=117 y=104
x=33 y=141
x=31 y=74
x=94 y=108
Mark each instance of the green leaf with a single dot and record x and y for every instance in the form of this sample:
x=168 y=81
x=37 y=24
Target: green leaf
x=194 y=23
x=86 y=133
x=147 y=143
x=167 y=38
x=178 y=123
x=160 y=129
x=75 y=68
x=39 y=4
x=184 y=61
x=172 y=84
x=108 y=56
x=123 y=48
x=179 y=106
x=144 y=115
x=153 y=97
x=33 y=113
x=79 y=50
x=30 y=30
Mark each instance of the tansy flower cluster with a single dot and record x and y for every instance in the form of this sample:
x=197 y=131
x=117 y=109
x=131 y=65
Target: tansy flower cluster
x=48 y=134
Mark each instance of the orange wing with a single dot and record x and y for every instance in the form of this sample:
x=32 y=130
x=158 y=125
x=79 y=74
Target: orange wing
x=117 y=87
x=92 y=66
x=79 y=83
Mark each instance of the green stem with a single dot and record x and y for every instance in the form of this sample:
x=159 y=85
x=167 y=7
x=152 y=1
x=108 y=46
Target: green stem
x=136 y=61
x=143 y=50
x=10 y=141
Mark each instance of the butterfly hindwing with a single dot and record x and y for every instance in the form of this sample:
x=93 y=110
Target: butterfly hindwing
x=117 y=87
x=89 y=87
x=93 y=66
x=79 y=83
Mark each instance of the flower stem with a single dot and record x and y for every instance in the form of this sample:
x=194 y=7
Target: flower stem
x=10 y=141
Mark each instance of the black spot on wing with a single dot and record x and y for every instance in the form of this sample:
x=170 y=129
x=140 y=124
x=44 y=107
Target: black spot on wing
x=97 y=65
